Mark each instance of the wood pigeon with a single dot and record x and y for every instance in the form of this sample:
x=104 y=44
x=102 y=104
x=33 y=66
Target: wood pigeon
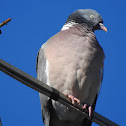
x=72 y=62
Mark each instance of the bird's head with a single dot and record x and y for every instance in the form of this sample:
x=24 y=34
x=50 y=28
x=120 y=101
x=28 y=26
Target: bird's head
x=88 y=17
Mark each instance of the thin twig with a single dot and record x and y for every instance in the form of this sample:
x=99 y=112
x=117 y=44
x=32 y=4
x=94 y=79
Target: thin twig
x=5 y=22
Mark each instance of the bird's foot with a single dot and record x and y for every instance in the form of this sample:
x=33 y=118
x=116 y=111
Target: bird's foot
x=88 y=109
x=73 y=99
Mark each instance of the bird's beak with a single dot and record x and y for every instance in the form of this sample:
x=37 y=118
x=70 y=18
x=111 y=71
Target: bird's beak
x=102 y=27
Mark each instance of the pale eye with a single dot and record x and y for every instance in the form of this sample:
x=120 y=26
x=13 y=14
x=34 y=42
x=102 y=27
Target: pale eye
x=92 y=16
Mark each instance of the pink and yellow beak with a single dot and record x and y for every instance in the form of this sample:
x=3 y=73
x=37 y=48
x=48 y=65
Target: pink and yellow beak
x=102 y=27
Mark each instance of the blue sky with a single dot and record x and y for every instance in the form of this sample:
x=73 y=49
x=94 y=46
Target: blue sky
x=33 y=22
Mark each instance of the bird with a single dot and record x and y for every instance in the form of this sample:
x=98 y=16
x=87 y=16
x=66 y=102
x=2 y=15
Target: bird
x=72 y=61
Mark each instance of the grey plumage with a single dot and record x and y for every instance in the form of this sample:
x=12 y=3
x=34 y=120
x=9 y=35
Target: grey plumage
x=72 y=62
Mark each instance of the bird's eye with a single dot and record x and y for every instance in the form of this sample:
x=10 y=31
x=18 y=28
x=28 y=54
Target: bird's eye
x=92 y=16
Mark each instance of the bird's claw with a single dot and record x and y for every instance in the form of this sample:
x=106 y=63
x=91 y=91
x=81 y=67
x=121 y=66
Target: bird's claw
x=73 y=99
x=89 y=109
x=85 y=106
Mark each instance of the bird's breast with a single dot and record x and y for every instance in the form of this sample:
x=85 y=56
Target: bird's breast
x=75 y=68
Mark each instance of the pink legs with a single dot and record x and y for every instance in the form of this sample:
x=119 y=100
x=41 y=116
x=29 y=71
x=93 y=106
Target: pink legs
x=85 y=106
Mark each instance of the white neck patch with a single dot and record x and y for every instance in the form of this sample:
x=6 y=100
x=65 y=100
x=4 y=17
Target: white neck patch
x=68 y=25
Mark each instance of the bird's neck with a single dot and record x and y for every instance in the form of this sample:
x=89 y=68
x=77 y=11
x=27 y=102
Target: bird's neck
x=71 y=24
x=68 y=25
x=74 y=28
